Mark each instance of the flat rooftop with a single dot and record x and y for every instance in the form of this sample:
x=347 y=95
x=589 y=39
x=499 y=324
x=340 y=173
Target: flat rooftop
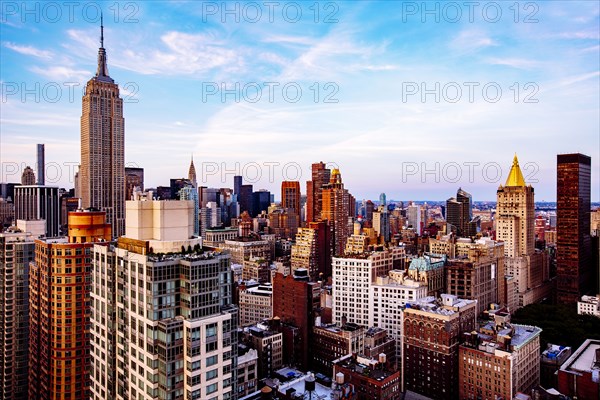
x=373 y=372
x=584 y=359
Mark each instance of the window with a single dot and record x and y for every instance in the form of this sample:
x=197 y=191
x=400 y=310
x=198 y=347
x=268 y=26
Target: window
x=212 y=388
x=212 y=360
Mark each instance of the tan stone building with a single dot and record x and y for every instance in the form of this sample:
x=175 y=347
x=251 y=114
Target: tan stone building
x=515 y=226
x=499 y=360
x=102 y=170
x=256 y=304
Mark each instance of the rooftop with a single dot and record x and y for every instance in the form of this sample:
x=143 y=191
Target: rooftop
x=427 y=263
x=585 y=358
x=368 y=368
x=555 y=352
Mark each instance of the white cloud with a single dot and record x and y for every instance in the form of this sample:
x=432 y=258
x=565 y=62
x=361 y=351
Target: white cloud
x=29 y=50
x=519 y=63
x=181 y=54
x=469 y=41
x=62 y=73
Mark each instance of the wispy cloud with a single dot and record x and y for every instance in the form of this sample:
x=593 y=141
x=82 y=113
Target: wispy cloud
x=520 y=63
x=62 y=73
x=29 y=50
x=469 y=41
x=181 y=54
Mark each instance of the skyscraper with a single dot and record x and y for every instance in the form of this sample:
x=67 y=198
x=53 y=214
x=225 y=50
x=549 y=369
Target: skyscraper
x=41 y=164
x=459 y=213
x=16 y=251
x=134 y=177
x=102 y=172
x=180 y=342
x=515 y=226
x=335 y=208
x=320 y=177
x=192 y=174
x=28 y=176
x=35 y=202
x=290 y=195
x=574 y=268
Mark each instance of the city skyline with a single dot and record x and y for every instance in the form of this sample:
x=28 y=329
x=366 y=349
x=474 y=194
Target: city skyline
x=358 y=134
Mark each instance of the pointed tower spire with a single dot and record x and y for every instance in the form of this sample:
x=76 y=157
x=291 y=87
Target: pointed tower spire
x=102 y=71
x=515 y=176
x=192 y=173
x=101 y=31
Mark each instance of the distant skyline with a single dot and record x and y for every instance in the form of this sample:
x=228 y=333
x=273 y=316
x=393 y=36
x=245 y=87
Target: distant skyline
x=171 y=60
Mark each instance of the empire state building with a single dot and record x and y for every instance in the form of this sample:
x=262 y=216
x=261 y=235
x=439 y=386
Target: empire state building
x=102 y=171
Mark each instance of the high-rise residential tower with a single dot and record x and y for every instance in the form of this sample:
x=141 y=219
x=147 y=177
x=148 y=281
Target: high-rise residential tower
x=16 y=251
x=164 y=323
x=102 y=172
x=59 y=310
x=574 y=268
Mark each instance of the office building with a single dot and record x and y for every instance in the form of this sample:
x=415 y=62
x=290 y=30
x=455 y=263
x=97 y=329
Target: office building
x=290 y=196
x=480 y=276
x=269 y=347
x=59 y=309
x=28 y=176
x=39 y=202
x=260 y=202
x=499 y=360
x=432 y=334
x=311 y=250
x=331 y=342
x=335 y=204
x=550 y=362
x=578 y=377
x=134 y=178
x=191 y=193
x=589 y=305
x=101 y=178
x=320 y=177
x=575 y=274
x=295 y=301
x=515 y=226
x=246 y=200
x=16 y=252
x=242 y=249
x=459 y=214
x=381 y=223
x=429 y=269
x=255 y=304
x=7 y=213
x=284 y=222
x=413 y=216
x=352 y=278
x=373 y=379
x=247 y=371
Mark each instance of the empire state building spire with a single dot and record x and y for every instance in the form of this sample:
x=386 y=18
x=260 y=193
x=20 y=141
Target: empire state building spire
x=102 y=171
x=102 y=71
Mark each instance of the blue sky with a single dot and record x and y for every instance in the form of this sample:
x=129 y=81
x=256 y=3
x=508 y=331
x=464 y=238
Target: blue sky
x=369 y=74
